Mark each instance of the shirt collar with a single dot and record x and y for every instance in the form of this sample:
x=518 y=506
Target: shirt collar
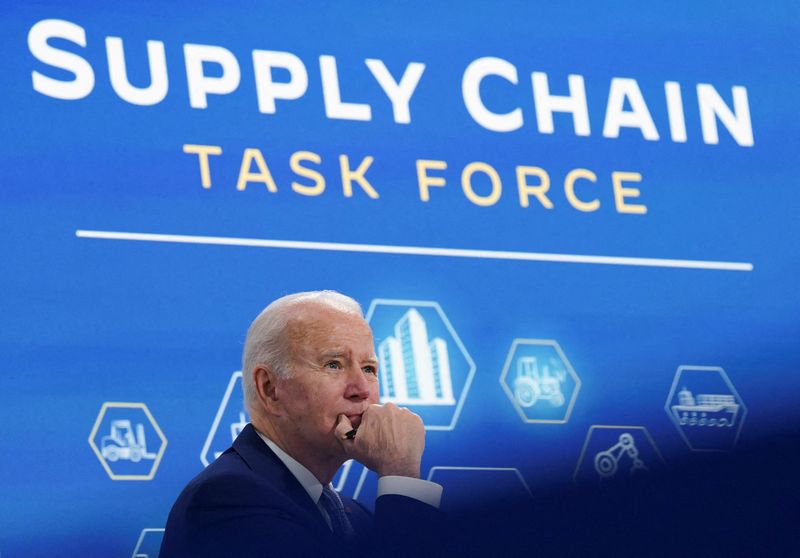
x=305 y=477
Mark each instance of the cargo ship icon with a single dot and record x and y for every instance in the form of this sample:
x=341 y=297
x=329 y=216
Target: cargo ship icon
x=707 y=409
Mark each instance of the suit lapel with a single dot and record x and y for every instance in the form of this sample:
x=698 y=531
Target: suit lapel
x=261 y=459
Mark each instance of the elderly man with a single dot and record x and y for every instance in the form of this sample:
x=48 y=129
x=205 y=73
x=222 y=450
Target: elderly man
x=310 y=382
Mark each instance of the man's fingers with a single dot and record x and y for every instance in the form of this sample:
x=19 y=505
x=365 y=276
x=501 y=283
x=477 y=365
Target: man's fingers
x=343 y=426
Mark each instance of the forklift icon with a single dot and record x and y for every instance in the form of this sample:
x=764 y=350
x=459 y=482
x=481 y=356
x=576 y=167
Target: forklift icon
x=121 y=443
x=118 y=440
x=532 y=384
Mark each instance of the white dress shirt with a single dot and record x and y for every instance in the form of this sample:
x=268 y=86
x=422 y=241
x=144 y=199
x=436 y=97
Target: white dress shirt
x=425 y=491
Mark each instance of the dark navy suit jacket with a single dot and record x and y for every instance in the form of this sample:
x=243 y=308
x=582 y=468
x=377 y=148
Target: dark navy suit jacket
x=247 y=503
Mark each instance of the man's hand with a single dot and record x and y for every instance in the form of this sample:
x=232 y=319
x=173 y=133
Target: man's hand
x=390 y=440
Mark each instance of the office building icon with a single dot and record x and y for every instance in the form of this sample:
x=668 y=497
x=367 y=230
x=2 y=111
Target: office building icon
x=415 y=369
x=422 y=363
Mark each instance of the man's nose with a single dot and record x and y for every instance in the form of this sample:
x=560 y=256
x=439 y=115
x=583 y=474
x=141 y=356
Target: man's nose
x=358 y=385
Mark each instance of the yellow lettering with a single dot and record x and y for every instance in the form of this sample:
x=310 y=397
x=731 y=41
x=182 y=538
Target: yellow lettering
x=569 y=189
x=424 y=181
x=620 y=192
x=466 y=184
x=202 y=152
x=319 y=181
x=539 y=191
x=263 y=175
x=348 y=176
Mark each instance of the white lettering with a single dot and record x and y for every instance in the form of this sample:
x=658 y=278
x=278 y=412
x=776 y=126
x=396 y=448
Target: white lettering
x=83 y=83
x=712 y=107
x=159 y=84
x=471 y=92
x=637 y=117
x=547 y=104
x=331 y=94
x=268 y=90
x=399 y=93
x=677 y=122
x=200 y=84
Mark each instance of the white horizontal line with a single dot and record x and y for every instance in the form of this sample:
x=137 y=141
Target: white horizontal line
x=416 y=250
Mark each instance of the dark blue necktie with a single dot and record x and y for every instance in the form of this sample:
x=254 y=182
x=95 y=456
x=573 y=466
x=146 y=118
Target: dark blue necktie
x=333 y=505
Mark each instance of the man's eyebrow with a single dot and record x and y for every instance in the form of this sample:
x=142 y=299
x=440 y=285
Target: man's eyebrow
x=340 y=354
x=333 y=353
x=344 y=354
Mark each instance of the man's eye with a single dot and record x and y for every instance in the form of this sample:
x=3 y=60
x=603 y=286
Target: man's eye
x=334 y=365
x=370 y=370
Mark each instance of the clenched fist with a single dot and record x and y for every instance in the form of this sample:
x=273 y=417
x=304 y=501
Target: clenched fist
x=390 y=440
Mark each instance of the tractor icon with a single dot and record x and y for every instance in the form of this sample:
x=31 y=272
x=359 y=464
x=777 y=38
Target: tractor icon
x=122 y=444
x=533 y=384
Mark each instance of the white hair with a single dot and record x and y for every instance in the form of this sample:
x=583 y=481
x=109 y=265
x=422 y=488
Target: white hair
x=267 y=339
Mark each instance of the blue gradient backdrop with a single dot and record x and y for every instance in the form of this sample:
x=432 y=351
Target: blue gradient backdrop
x=88 y=321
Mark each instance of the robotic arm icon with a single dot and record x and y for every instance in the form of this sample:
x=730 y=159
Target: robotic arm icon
x=606 y=463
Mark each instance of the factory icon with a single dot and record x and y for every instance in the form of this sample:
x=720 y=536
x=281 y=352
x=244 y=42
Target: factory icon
x=415 y=370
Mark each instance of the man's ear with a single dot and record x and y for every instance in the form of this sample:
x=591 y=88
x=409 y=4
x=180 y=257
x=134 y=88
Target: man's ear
x=266 y=383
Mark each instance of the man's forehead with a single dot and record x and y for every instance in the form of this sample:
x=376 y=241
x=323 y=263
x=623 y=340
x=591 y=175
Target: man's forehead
x=326 y=318
x=328 y=329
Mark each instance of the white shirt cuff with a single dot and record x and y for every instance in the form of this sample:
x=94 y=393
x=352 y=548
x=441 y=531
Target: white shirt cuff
x=425 y=491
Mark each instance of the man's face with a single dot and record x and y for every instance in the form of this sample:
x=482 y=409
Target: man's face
x=333 y=371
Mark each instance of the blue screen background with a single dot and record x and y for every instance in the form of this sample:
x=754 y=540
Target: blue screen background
x=89 y=321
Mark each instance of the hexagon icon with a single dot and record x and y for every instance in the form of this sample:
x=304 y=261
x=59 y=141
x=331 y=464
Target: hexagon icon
x=539 y=380
x=467 y=487
x=705 y=408
x=149 y=543
x=123 y=438
x=229 y=421
x=423 y=363
x=350 y=477
x=353 y=478
x=616 y=453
